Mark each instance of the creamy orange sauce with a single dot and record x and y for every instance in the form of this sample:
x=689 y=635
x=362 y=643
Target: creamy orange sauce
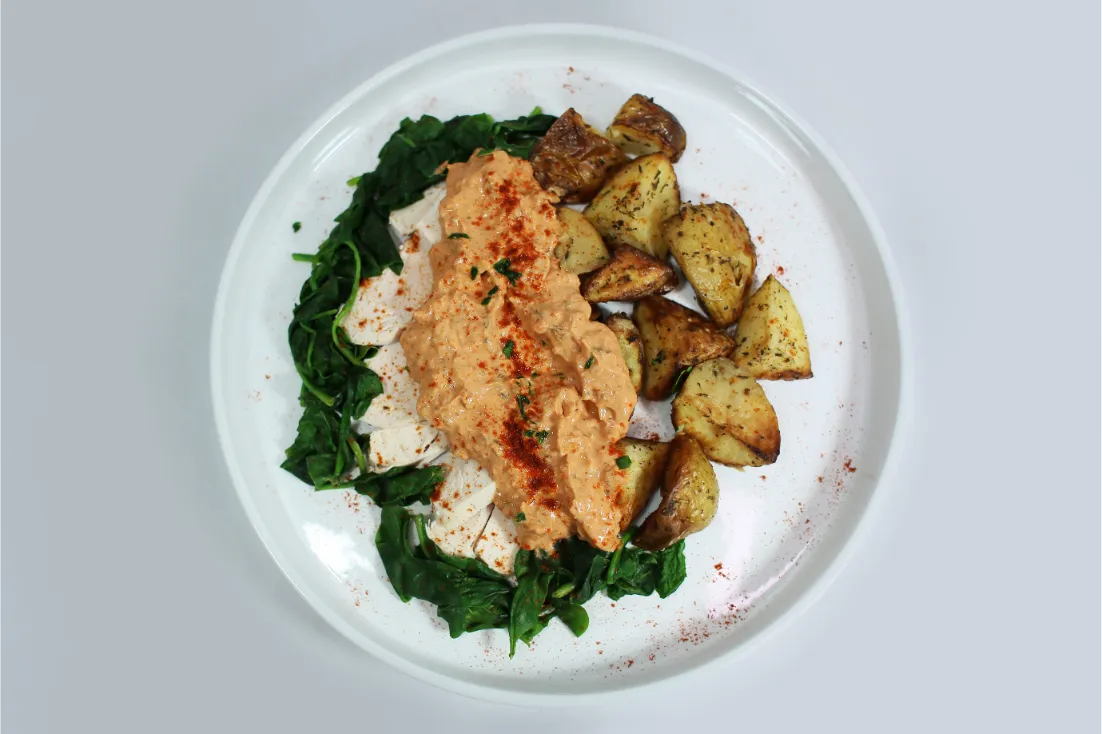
x=519 y=378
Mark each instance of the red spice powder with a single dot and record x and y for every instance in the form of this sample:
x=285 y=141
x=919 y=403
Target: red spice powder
x=522 y=453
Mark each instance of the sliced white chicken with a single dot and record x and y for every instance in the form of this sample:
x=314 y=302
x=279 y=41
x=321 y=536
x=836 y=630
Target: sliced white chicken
x=397 y=406
x=421 y=217
x=461 y=507
x=385 y=304
x=497 y=544
x=404 y=445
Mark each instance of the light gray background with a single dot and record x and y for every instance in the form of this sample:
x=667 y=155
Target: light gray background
x=138 y=599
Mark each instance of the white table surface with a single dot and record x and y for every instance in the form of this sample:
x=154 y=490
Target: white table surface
x=136 y=596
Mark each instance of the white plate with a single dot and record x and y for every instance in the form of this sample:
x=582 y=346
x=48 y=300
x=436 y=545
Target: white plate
x=780 y=530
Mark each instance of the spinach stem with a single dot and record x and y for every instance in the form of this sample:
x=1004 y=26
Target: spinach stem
x=614 y=563
x=426 y=544
x=338 y=332
x=361 y=461
x=563 y=590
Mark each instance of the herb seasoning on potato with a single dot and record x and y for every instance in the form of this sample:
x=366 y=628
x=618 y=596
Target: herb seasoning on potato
x=674 y=337
x=573 y=159
x=642 y=127
x=713 y=248
x=630 y=208
x=770 y=343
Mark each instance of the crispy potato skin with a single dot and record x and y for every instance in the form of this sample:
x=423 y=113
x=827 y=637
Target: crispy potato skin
x=729 y=414
x=770 y=341
x=674 y=337
x=642 y=127
x=639 y=481
x=628 y=276
x=572 y=160
x=632 y=205
x=714 y=250
x=631 y=345
x=690 y=496
x=581 y=249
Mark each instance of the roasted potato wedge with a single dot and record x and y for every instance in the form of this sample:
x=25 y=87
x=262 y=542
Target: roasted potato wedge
x=690 y=496
x=641 y=127
x=728 y=412
x=628 y=276
x=631 y=346
x=641 y=477
x=674 y=337
x=630 y=208
x=573 y=159
x=770 y=342
x=713 y=248
x=580 y=249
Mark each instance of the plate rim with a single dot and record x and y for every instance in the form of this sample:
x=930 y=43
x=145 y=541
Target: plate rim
x=817 y=586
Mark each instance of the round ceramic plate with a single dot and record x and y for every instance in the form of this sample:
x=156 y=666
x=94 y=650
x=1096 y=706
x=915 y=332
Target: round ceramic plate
x=780 y=530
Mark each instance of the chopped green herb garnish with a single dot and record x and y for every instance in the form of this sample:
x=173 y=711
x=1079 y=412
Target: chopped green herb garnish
x=302 y=257
x=296 y=226
x=486 y=302
x=681 y=378
x=623 y=462
x=589 y=362
x=474 y=272
x=519 y=517
x=355 y=181
x=507 y=350
x=502 y=266
x=535 y=374
x=659 y=357
x=523 y=402
x=540 y=436
x=458 y=235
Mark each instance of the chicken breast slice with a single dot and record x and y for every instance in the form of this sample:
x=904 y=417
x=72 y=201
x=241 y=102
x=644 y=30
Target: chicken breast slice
x=497 y=544
x=462 y=506
x=404 y=445
x=397 y=406
x=385 y=304
x=421 y=217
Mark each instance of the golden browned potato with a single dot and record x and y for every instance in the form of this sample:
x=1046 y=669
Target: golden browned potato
x=580 y=249
x=628 y=276
x=770 y=342
x=631 y=345
x=690 y=496
x=728 y=412
x=630 y=208
x=637 y=481
x=642 y=127
x=674 y=338
x=713 y=247
x=572 y=160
